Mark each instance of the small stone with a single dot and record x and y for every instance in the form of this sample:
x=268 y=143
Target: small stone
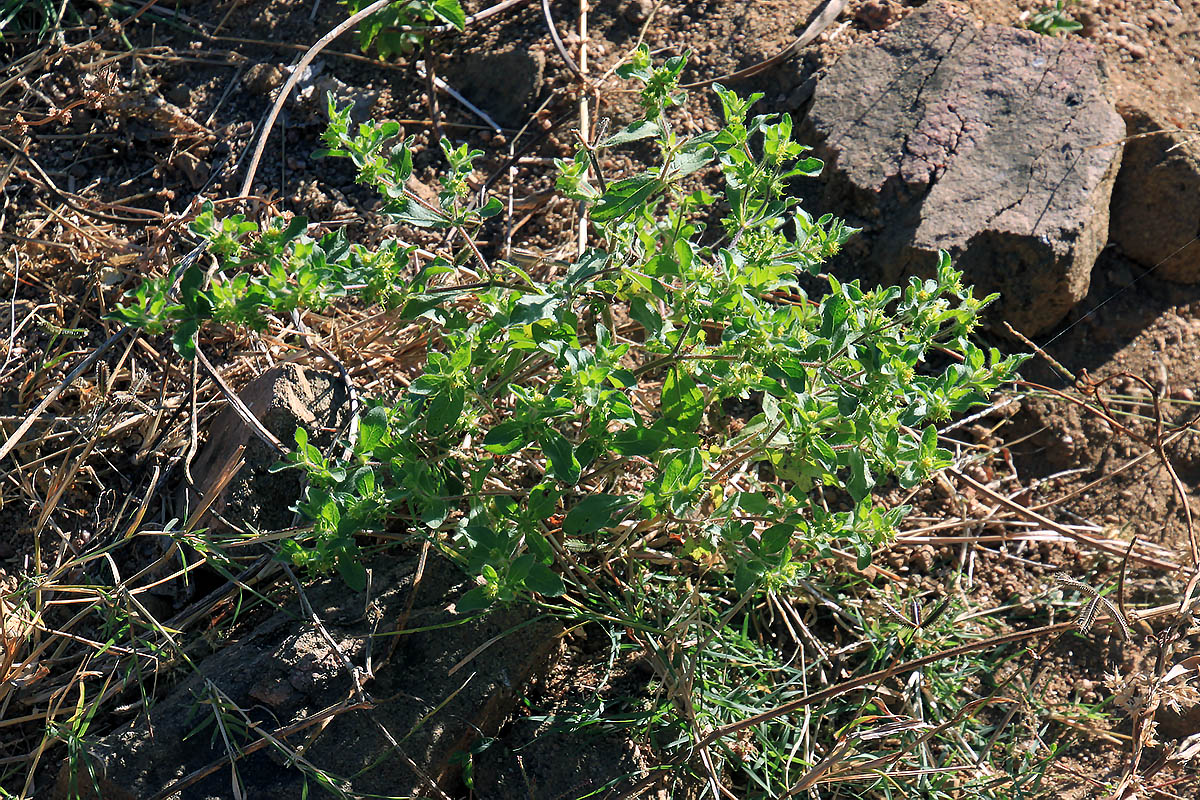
x=1133 y=48
x=180 y=96
x=262 y=78
x=875 y=15
x=922 y=558
x=638 y=10
x=1183 y=393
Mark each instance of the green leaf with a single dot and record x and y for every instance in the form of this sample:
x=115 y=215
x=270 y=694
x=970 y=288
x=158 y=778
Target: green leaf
x=543 y=580
x=588 y=266
x=754 y=503
x=861 y=479
x=184 y=338
x=682 y=472
x=190 y=284
x=450 y=11
x=411 y=212
x=929 y=442
x=690 y=159
x=533 y=308
x=506 y=438
x=474 y=601
x=563 y=464
x=646 y=315
x=776 y=537
x=427 y=384
x=864 y=554
x=352 y=571
x=364 y=481
x=371 y=429
x=542 y=501
x=593 y=513
x=642 y=129
x=682 y=401
x=828 y=458
x=490 y=209
x=624 y=196
x=444 y=410
x=520 y=568
x=639 y=441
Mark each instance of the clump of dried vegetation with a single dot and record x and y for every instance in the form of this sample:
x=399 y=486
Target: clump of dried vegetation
x=656 y=430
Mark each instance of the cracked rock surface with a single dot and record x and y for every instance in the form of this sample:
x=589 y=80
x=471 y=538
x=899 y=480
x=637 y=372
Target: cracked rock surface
x=432 y=681
x=993 y=143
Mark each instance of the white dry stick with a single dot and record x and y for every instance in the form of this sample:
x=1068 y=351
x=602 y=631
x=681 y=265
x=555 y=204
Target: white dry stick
x=584 y=119
x=320 y=45
x=450 y=90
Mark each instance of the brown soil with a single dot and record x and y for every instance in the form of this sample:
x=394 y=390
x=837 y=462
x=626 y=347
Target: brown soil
x=173 y=120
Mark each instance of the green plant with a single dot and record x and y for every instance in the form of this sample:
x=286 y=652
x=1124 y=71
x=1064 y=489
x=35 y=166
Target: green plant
x=37 y=15
x=74 y=734
x=276 y=269
x=545 y=446
x=402 y=26
x=536 y=374
x=1052 y=20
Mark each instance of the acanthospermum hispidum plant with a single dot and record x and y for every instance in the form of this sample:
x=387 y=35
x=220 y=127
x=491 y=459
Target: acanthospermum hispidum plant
x=565 y=433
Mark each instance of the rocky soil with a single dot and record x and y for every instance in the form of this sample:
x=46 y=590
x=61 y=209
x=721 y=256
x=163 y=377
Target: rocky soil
x=1063 y=172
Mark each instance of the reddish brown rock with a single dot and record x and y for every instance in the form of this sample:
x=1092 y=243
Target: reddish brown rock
x=992 y=143
x=1156 y=201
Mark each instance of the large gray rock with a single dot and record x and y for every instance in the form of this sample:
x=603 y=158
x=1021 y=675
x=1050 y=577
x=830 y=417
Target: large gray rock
x=1156 y=202
x=995 y=144
x=435 y=689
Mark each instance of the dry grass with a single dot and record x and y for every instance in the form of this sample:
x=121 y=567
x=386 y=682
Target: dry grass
x=101 y=427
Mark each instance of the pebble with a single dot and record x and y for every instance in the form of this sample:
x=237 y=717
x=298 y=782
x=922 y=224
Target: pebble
x=1134 y=49
x=262 y=78
x=638 y=10
x=875 y=15
x=180 y=96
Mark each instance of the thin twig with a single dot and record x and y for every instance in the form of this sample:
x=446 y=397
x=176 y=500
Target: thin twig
x=875 y=677
x=560 y=47
x=822 y=21
x=294 y=78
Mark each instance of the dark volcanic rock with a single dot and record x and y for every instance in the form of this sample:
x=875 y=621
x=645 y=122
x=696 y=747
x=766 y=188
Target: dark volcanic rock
x=992 y=143
x=442 y=683
x=1156 y=202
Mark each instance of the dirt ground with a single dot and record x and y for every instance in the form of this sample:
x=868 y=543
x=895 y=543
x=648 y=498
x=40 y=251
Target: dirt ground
x=130 y=125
